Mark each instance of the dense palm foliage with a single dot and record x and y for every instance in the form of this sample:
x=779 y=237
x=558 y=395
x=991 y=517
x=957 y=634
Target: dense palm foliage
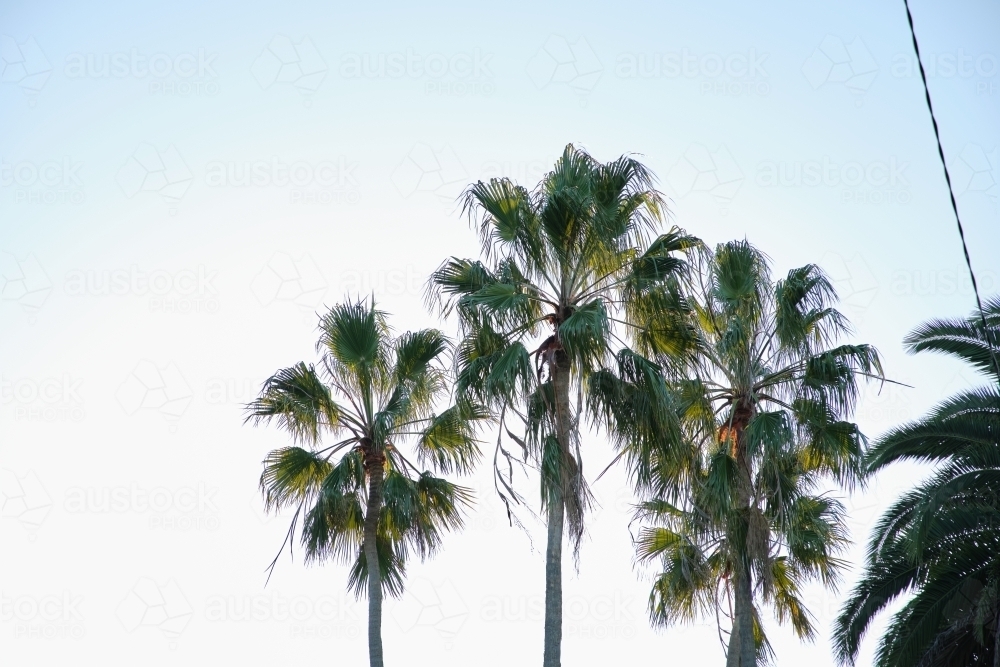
x=940 y=541
x=569 y=272
x=728 y=395
x=763 y=394
x=358 y=499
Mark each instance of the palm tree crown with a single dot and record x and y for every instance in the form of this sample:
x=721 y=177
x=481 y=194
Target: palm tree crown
x=762 y=393
x=359 y=499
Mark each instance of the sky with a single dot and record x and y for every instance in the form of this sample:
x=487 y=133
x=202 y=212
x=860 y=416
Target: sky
x=184 y=185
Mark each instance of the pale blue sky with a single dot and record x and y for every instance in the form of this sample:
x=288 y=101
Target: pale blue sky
x=241 y=164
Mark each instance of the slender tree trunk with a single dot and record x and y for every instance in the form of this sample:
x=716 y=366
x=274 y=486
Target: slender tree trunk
x=742 y=648
x=552 y=655
x=374 y=465
x=553 y=585
x=733 y=650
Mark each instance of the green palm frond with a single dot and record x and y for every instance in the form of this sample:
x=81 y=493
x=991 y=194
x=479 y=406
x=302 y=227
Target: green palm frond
x=355 y=335
x=454 y=279
x=967 y=420
x=391 y=566
x=584 y=336
x=815 y=533
x=418 y=510
x=299 y=401
x=965 y=339
x=834 y=447
x=493 y=369
x=292 y=475
x=333 y=525
x=685 y=589
x=449 y=439
x=739 y=279
x=804 y=316
x=787 y=599
x=415 y=353
x=633 y=403
x=939 y=541
x=509 y=224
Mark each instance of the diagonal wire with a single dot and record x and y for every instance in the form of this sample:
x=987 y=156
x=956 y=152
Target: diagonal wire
x=954 y=206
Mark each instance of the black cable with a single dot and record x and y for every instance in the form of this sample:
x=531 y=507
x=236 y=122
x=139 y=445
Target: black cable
x=954 y=206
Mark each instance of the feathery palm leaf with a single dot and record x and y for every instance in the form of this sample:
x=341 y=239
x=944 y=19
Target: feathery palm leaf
x=938 y=543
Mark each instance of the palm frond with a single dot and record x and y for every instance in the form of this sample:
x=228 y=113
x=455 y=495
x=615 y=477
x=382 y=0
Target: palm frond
x=299 y=401
x=449 y=441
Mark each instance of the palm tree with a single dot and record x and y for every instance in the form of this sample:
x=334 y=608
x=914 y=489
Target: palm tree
x=762 y=393
x=358 y=499
x=567 y=268
x=940 y=541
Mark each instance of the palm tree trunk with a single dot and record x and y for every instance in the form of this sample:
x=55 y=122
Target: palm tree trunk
x=374 y=465
x=552 y=655
x=553 y=585
x=742 y=648
x=733 y=649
